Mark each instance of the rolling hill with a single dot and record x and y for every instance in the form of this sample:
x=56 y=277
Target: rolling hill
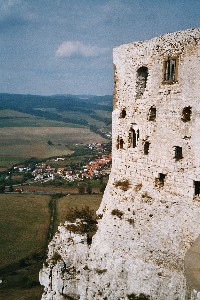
x=93 y=112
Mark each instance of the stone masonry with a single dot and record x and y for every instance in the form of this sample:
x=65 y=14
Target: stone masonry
x=150 y=212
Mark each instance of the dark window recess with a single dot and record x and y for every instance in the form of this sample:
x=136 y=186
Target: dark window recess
x=186 y=114
x=123 y=113
x=197 y=188
x=146 y=148
x=160 y=180
x=170 y=70
x=178 y=153
x=133 y=137
x=121 y=143
x=152 y=113
x=141 y=81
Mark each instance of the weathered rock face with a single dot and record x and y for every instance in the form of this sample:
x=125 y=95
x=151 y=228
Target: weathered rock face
x=151 y=207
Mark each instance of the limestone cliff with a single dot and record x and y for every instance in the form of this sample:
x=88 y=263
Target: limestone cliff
x=149 y=215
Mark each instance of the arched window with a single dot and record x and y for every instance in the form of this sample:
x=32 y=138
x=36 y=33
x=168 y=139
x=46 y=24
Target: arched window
x=141 y=81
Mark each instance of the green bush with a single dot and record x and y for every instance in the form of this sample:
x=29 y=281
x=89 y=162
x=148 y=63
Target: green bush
x=87 y=223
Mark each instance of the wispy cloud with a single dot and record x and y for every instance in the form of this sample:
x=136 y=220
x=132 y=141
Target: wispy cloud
x=77 y=48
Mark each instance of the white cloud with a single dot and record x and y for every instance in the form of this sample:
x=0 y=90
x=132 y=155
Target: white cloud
x=71 y=48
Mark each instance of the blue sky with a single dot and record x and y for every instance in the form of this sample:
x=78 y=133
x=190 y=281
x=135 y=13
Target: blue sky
x=65 y=46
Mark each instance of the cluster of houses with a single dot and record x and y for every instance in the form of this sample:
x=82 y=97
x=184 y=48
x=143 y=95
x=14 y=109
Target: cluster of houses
x=100 y=166
x=96 y=168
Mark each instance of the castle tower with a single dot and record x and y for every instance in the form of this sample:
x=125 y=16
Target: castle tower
x=153 y=194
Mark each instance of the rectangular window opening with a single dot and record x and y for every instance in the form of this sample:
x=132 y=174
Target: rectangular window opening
x=186 y=114
x=197 y=188
x=170 y=70
x=178 y=153
x=159 y=182
x=152 y=114
x=146 y=148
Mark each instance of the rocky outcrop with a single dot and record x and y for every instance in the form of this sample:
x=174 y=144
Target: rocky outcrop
x=65 y=265
x=148 y=220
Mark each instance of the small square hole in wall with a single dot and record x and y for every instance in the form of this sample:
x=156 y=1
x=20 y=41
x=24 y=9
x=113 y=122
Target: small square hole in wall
x=160 y=180
x=186 y=114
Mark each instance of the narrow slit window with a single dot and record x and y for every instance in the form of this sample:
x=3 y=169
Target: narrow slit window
x=186 y=114
x=197 y=188
x=121 y=143
x=178 y=153
x=170 y=70
x=146 y=148
x=152 y=113
x=134 y=142
x=159 y=182
x=117 y=145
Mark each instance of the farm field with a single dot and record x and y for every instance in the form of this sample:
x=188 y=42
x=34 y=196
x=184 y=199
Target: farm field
x=19 y=143
x=24 y=224
x=22 y=217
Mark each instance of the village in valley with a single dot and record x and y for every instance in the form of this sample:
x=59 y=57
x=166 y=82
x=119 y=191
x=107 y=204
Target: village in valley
x=97 y=166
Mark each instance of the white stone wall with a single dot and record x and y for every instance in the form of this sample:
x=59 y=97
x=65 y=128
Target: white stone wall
x=146 y=230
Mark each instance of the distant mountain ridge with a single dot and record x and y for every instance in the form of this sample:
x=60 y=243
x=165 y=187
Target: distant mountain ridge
x=85 y=110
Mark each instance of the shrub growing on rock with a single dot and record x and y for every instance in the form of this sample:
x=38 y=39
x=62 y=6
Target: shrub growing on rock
x=117 y=212
x=122 y=184
x=84 y=220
